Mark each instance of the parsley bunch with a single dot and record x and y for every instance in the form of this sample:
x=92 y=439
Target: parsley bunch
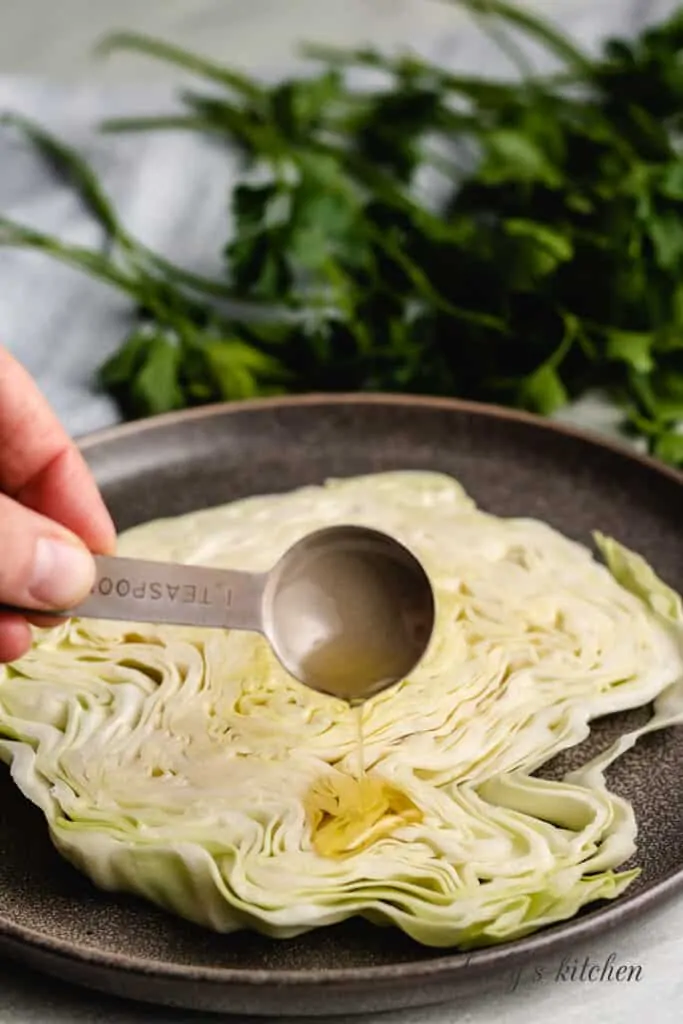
x=552 y=264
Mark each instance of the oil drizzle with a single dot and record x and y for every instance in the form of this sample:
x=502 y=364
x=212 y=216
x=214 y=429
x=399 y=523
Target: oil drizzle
x=357 y=712
x=348 y=811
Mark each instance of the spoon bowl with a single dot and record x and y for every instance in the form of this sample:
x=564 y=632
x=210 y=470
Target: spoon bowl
x=348 y=611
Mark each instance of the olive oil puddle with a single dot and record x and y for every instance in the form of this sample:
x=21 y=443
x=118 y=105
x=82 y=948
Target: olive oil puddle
x=347 y=814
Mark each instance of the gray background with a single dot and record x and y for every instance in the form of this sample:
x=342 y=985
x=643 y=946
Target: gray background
x=171 y=190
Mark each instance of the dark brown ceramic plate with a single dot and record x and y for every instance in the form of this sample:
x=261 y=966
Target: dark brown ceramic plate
x=513 y=465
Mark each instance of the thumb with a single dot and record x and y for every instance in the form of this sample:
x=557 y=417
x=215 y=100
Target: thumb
x=42 y=565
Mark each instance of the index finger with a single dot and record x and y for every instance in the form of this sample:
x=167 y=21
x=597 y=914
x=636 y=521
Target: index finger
x=41 y=467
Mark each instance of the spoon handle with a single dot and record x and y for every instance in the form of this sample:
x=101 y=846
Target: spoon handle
x=135 y=590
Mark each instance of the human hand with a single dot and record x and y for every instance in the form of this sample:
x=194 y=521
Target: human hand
x=51 y=513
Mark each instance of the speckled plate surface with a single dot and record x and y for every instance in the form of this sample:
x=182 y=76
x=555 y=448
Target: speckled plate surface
x=54 y=919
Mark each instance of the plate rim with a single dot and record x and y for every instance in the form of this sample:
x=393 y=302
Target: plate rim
x=451 y=963
x=486 y=410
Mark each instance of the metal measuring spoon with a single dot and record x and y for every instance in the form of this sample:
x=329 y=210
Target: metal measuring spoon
x=348 y=611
